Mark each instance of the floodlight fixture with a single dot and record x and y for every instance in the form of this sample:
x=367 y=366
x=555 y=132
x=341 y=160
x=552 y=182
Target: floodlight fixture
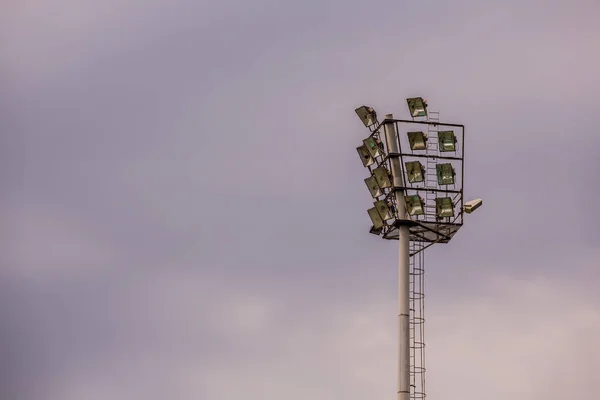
x=384 y=210
x=373 y=187
x=414 y=204
x=367 y=115
x=473 y=205
x=444 y=207
x=375 y=218
x=447 y=140
x=382 y=175
x=415 y=171
x=445 y=174
x=417 y=140
x=365 y=157
x=417 y=107
x=375 y=231
x=374 y=146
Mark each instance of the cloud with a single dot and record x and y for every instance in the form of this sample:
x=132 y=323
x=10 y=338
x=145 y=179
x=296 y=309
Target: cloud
x=187 y=335
x=38 y=243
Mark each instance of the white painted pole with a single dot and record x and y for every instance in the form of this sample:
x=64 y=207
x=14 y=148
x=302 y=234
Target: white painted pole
x=391 y=137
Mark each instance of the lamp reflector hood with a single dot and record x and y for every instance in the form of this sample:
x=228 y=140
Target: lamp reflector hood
x=365 y=157
x=415 y=171
x=417 y=107
x=384 y=210
x=417 y=140
x=367 y=115
x=382 y=176
x=444 y=207
x=375 y=218
x=373 y=187
x=414 y=205
x=445 y=174
x=447 y=140
x=374 y=146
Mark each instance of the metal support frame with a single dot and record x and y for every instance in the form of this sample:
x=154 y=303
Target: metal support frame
x=415 y=234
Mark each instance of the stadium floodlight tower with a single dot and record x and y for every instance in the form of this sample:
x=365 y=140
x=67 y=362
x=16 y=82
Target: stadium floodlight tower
x=416 y=181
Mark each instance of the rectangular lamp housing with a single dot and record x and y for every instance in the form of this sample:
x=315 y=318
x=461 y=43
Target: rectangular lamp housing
x=382 y=176
x=415 y=171
x=373 y=187
x=445 y=174
x=447 y=140
x=417 y=107
x=444 y=207
x=365 y=157
x=417 y=140
x=367 y=115
x=414 y=204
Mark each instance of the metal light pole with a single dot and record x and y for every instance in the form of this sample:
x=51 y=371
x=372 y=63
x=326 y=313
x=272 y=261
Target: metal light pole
x=391 y=138
x=398 y=178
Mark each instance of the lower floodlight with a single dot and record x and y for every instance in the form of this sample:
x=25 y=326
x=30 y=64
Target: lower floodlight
x=417 y=140
x=375 y=231
x=473 y=205
x=445 y=174
x=447 y=140
x=374 y=146
x=382 y=175
x=415 y=171
x=373 y=187
x=375 y=218
x=365 y=157
x=414 y=204
x=384 y=210
x=417 y=107
x=367 y=115
x=444 y=207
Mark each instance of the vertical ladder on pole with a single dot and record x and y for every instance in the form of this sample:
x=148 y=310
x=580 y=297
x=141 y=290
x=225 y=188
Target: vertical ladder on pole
x=432 y=150
x=417 y=322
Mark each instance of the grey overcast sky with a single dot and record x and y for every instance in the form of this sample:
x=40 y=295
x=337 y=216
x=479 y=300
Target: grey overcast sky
x=184 y=217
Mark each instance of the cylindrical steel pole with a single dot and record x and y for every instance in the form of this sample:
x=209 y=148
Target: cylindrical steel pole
x=391 y=137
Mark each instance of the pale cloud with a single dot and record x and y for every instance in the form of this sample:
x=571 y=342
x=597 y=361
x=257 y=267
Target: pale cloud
x=36 y=243
x=517 y=339
x=191 y=206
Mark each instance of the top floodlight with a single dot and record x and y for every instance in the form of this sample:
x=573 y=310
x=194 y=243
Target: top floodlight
x=374 y=146
x=447 y=140
x=417 y=107
x=367 y=115
x=417 y=140
x=365 y=157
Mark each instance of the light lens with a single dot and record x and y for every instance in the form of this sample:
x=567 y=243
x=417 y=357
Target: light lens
x=444 y=207
x=417 y=140
x=447 y=140
x=414 y=205
x=375 y=218
x=373 y=187
x=365 y=157
x=367 y=115
x=383 y=177
x=445 y=174
x=374 y=146
x=415 y=171
x=384 y=210
x=417 y=107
